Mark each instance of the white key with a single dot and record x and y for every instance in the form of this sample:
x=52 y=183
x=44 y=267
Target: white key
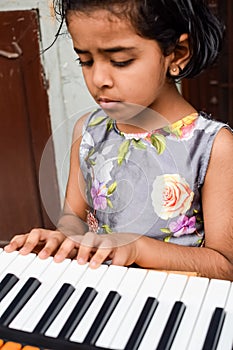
x=170 y=293
x=48 y=279
x=226 y=336
x=127 y=289
x=109 y=282
x=150 y=288
x=18 y=265
x=215 y=297
x=192 y=297
x=35 y=269
x=6 y=259
x=90 y=278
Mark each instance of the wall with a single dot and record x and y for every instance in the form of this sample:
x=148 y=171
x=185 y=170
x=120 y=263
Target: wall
x=68 y=97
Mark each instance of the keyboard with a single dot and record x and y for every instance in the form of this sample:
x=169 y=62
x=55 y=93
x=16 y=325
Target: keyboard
x=68 y=306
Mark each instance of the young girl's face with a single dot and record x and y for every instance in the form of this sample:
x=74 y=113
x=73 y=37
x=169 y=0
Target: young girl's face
x=119 y=66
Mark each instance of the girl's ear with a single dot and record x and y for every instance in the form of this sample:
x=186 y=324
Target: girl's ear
x=181 y=56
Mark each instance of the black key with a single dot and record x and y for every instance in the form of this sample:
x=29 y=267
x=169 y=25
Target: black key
x=77 y=313
x=54 y=308
x=214 y=330
x=142 y=324
x=102 y=318
x=6 y=284
x=172 y=326
x=20 y=300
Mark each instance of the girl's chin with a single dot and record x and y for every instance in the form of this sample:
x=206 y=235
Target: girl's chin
x=121 y=111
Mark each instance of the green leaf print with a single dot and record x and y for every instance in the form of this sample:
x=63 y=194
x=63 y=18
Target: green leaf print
x=167 y=239
x=123 y=150
x=107 y=228
x=110 y=125
x=159 y=142
x=112 y=188
x=165 y=230
x=139 y=144
x=109 y=203
x=97 y=121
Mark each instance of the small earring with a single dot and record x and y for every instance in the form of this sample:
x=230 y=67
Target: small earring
x=174 y=70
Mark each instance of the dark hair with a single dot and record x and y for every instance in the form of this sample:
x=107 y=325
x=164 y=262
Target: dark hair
x=164 y=21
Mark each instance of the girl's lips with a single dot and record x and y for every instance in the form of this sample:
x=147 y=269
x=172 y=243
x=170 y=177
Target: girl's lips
x=108 y=104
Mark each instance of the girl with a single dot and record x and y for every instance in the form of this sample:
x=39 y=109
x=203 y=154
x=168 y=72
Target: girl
x=142 y=190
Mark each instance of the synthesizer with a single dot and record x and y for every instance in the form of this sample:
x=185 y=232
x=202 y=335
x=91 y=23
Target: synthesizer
x=57 y=306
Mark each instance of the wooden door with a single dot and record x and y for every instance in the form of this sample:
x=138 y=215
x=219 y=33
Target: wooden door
x=212 y=91
x=25 y=125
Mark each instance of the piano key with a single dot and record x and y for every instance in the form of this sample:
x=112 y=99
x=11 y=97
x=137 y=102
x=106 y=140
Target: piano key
x=90 y=278
x=216 y=296
x=18 y=264
x=33 y=270
x=171 y=326
x=142 y=324
x=116 y=336
x=214 y=330
x=33 y=311
x=125 y=282
x=7 y=283
x=19 y=301
x=54 y=308
x=6 y=259
x=170 y=293
x=192 y=297
x=78 y=312
x=102 y=317
x=226 y=337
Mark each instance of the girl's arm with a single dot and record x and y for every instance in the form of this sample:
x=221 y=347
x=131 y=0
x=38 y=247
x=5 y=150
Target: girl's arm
x=215 y=260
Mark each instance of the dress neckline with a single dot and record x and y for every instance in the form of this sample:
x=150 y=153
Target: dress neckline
x=174 y=127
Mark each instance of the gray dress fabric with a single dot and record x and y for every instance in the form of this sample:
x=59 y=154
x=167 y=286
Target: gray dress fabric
x=150 y=183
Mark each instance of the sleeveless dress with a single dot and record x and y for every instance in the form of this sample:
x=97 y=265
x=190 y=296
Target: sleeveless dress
x=149 y=183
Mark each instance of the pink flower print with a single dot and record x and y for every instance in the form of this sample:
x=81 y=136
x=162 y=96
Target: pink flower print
x=183 y=128
x=99 y=194
x=184 y=225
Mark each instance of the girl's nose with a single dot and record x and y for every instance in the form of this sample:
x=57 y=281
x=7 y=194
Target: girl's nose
x=101 y=75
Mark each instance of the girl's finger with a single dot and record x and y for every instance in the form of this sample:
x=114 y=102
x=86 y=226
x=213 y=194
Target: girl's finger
x=89 y=241
x=66 y=248
x=104 y=251
x=33 y=239
x=16 y=242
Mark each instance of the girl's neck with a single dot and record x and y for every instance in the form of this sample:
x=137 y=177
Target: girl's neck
x=167 y=111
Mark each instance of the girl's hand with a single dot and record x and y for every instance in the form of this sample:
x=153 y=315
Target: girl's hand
x=121 y=248
x=50 y=240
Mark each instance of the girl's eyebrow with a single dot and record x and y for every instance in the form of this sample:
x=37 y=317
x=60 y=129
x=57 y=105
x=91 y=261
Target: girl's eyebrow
x=111 y=49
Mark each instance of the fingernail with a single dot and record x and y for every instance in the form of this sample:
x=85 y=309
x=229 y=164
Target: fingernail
x=23 y=250
x=93 y=263
x=43 y=254
x=81 y=261
x=58 y=258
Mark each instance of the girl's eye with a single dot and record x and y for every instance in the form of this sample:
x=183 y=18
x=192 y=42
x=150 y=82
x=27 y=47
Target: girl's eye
x=84 y=63
x=121 y=63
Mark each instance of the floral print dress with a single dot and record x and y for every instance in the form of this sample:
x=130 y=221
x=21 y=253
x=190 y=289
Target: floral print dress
x=147 y=183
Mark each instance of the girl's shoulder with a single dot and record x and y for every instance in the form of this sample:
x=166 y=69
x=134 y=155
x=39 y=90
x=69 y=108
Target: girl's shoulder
x=208 y=124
